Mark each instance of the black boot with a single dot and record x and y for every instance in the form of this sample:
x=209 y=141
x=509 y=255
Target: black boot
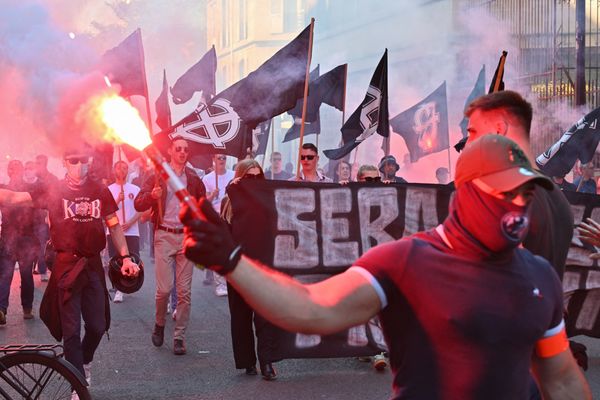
x=158 y=335
x=268 y=372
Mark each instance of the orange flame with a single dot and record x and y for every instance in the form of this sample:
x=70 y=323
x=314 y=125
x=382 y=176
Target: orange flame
x=123 y=122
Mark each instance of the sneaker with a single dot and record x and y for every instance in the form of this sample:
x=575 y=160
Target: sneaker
x=118 y=297
x=379 y=362
x=2 y=317
x=158 y=335
x=169 y=308
x=178 y=347
x=221 y=290
x=175 y=315
x=27 y=313
x=87 y=368
x=35 y=271
x=44 y=277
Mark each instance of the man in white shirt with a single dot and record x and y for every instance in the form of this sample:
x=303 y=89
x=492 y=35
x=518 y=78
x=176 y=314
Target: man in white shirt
x=124 y=193
x=216 y=182
x=309 y=160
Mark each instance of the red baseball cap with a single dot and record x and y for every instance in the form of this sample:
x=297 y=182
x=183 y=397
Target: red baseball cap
x=498 y=163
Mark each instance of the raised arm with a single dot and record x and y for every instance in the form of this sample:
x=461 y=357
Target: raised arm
x=8 y=197
x=339 y=302
x=342 y=301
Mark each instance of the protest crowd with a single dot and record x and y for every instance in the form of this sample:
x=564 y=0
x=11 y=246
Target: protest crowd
x=459 y=287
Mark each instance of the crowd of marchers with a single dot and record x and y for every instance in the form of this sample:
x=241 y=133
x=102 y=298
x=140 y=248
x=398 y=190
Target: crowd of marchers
x=87 y=220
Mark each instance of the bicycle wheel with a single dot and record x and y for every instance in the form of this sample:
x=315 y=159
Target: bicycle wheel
x=37 y=376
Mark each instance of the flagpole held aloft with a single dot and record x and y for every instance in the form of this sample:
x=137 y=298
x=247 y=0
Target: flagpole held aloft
x=306 y=82
x=497 y=83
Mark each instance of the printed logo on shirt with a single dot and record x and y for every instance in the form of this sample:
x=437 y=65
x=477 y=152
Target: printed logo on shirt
x=83 y=209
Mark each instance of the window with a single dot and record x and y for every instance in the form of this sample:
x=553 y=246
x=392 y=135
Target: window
x=290 y=15
x=243 y=15
x=224 y=24
x=241 y=69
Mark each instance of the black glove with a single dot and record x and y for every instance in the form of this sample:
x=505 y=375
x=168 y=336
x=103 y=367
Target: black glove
x=208 y=241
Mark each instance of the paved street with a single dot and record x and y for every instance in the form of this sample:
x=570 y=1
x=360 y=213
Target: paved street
x=128 y=367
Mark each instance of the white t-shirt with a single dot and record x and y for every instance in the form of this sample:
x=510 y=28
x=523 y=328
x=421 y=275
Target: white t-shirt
x=209 y=184
x=130 y=191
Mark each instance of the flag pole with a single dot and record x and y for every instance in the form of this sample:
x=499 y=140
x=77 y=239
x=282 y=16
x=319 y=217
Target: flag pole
x=449 y=165
x=272 y=148
x=344 y=95
x=306 y=79
x=122 y=189
x=148 y=115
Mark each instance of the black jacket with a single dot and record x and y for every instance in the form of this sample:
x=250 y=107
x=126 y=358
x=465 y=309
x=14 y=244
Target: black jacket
x=144 y=200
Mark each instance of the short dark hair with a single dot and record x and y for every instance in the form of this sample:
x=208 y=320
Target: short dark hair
x=310 y=146
x=176 y=138
x=507 y=100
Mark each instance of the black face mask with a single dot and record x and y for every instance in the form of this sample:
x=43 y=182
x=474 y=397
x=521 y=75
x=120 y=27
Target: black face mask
x=496 y=224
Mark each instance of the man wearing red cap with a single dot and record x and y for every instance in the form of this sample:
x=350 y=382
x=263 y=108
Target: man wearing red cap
x=466 y=312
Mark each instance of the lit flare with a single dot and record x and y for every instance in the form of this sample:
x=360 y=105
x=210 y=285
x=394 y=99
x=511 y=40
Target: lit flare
x=123 y=122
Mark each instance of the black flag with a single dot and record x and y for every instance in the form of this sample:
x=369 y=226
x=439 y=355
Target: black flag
x=478 y=91
x=225 y=124
x=199 y=78
x=312 y=123
x=124 y=65
x=371 y=116
x=497 y=83
x=163 y=111
x=424 y=126
x=578 y=143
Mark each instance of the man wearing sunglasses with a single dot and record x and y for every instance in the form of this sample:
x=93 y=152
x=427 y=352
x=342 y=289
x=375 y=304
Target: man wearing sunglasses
x=276 y=171
x=78 y=208
x=309 y=160
x=168 y=243
x=368 y=173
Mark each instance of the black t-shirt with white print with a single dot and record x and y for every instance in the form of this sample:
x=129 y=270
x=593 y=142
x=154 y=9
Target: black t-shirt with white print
x=76 y=216
x=458 y=327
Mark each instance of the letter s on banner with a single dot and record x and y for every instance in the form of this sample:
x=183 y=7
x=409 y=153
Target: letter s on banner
x=290 y=203
x=386 y=199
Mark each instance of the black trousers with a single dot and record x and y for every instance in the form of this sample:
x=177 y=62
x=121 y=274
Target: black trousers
x=242 y=334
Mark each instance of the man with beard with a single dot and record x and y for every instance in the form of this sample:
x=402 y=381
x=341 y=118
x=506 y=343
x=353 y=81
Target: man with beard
x=78 y=208
x=465 y=311
x=168 y=243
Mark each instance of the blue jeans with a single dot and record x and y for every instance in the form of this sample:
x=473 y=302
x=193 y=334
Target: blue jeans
x=7 y=270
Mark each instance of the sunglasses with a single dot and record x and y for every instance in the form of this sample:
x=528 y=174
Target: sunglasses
x=309 y=158
x=222 y=158
x=277 y=159
x=254 y=176
x=181 y=148
x=372 y=178
x=76 y=160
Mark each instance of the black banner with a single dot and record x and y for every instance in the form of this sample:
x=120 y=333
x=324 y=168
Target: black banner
x=314 y=230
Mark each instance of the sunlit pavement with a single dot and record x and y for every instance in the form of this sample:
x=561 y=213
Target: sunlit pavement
x=128 y=366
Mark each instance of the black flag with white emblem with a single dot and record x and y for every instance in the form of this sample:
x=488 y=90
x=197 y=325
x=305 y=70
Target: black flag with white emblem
x=424 y=126
x=225 y=124
x=371 y=116
x=578 y=143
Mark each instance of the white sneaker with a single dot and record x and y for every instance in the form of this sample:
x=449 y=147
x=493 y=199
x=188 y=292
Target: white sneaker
x=118 y=297
x=174 y=314
x=87 y=368
x=169 y=308
x=44 y=277
x=221 y=290
x=379 y=362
